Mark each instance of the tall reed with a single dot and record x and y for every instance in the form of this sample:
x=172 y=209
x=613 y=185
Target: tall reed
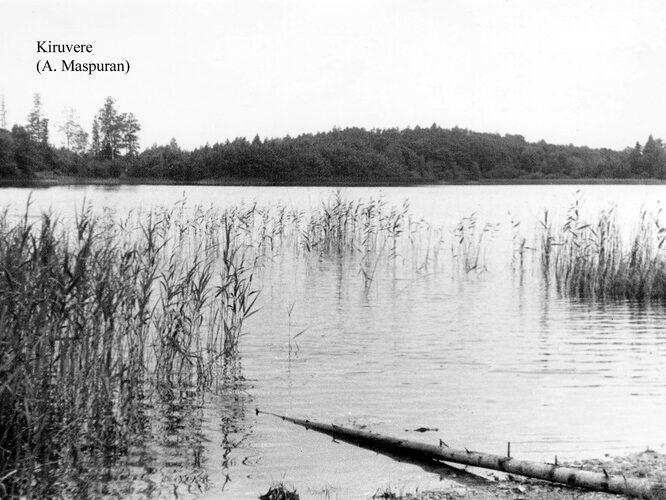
x=94 y=311
x=600 y=258
x=470 y=243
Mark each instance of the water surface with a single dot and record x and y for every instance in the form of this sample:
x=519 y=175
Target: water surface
x=485 y=357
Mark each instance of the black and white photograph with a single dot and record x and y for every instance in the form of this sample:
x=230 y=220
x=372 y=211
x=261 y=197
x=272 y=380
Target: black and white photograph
x=332 y=249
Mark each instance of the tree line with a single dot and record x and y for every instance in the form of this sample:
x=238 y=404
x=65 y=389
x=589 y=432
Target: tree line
x=350 y=155
x=27 y=150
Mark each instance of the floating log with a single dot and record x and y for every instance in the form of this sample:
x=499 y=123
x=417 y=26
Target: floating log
x=596 y=481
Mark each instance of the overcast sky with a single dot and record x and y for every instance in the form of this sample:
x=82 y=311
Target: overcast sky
x=582 y=72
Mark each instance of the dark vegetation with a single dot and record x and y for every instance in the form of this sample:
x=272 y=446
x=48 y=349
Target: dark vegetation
x=101 y=317
x=351 y=155
x=280 y=492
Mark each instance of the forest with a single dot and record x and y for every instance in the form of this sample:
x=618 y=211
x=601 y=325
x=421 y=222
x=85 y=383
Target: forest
x=348 y=156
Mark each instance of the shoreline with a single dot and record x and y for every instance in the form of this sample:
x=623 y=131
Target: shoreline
x=47 y=182
x=649 y=465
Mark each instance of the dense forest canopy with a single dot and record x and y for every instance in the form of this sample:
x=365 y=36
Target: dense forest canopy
x=355 y=155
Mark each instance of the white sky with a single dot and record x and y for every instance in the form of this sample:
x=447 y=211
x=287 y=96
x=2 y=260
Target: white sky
x=581 y=72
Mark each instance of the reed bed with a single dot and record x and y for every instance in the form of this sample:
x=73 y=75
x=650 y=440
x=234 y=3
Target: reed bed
x=105 y=315
x=600 y=258
x=371 y=232
x=341 y=226
x=95 y=311
x=381 y=234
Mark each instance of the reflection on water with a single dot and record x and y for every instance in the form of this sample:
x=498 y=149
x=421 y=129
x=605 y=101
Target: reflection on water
x=486 y=356
x=181 y=437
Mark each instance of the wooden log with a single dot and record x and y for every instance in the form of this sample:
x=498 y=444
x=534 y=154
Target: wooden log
x=596 y=481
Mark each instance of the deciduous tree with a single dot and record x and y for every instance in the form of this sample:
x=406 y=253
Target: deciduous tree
x=75 y=138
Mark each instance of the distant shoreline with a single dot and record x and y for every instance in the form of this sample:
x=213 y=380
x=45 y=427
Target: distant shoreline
x=46 y=182
x=340 y=157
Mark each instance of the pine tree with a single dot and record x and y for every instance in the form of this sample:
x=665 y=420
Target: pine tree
x=36 y=128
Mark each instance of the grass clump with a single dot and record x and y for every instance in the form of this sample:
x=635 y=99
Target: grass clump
x=470 y=243
x=602 y=259
x=280 y=492
x=339 y=226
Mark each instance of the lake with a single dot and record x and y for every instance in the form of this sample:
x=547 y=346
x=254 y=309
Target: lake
x=485 y=355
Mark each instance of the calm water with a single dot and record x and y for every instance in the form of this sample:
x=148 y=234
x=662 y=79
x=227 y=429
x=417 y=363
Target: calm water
x=485 y=357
